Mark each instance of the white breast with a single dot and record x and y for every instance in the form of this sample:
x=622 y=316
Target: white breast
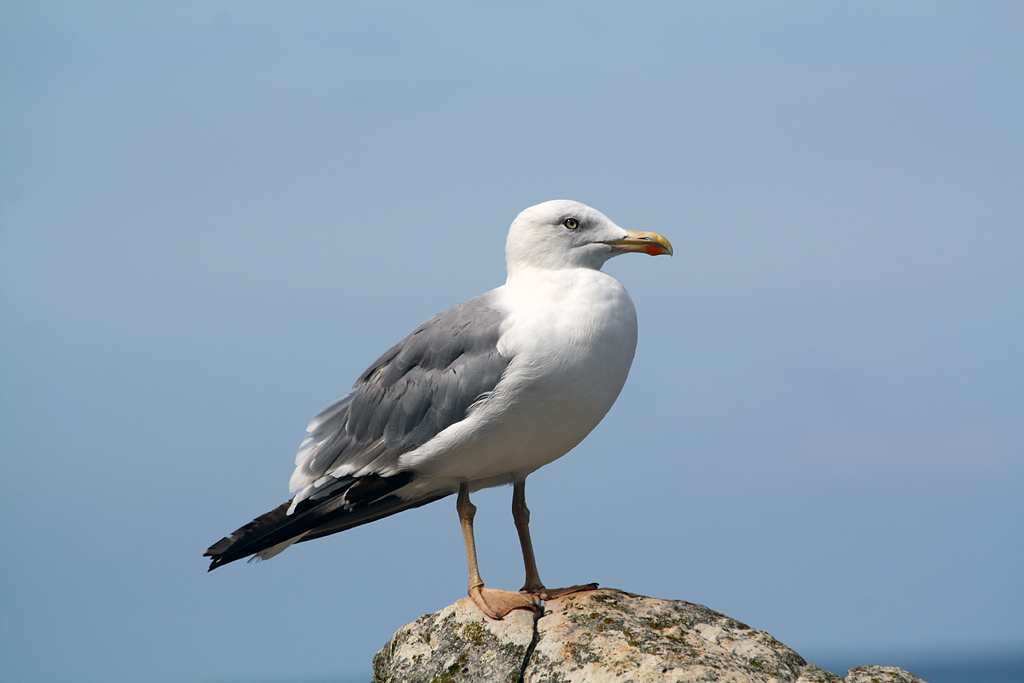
x=571 y=335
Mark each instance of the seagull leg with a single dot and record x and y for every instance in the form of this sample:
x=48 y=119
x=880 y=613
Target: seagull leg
x=521 y=516
x=533 y=585
x=492 y=602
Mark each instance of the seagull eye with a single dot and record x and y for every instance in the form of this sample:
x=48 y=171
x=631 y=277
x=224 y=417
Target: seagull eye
x=571 y=223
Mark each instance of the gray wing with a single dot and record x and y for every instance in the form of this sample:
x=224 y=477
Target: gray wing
x=422 y=385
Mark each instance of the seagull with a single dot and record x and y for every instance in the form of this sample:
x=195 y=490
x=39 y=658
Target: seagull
x=483 y=394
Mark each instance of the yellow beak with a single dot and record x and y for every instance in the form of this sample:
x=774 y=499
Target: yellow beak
x=650 y=243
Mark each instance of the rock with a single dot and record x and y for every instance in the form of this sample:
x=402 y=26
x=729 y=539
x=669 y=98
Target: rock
x=458 y=644
x=880 y=674
x=598 y=636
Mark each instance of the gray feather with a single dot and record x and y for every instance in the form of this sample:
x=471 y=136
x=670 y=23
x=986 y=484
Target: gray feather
x=419 y=387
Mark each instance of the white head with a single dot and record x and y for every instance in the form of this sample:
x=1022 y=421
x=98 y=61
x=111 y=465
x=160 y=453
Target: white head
x=565 y=234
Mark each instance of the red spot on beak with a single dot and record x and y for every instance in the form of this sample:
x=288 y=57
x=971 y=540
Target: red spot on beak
x=654 y=250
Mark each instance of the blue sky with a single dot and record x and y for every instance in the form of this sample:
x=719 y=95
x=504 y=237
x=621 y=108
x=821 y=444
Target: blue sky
x=213 y=216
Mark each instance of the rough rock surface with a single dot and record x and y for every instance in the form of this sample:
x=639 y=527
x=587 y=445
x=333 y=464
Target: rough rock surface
x=880 y=674
x=596 y=637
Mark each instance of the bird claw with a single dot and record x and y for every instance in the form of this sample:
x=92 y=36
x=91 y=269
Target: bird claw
x=496 y=603
x=554 y=593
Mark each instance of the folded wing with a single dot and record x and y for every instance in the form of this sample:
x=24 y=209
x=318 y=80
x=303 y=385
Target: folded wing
x=347 y=470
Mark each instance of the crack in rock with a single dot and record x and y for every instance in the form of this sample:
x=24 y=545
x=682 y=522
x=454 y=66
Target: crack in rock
x=532 y=646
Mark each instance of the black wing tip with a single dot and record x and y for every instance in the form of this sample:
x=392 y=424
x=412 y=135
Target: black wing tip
x=245 y=540
x=216 y=559
x=218 y=550
x=277 y=526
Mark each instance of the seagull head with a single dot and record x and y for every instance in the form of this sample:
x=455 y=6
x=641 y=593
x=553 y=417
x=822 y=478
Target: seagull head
x=565 y=234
